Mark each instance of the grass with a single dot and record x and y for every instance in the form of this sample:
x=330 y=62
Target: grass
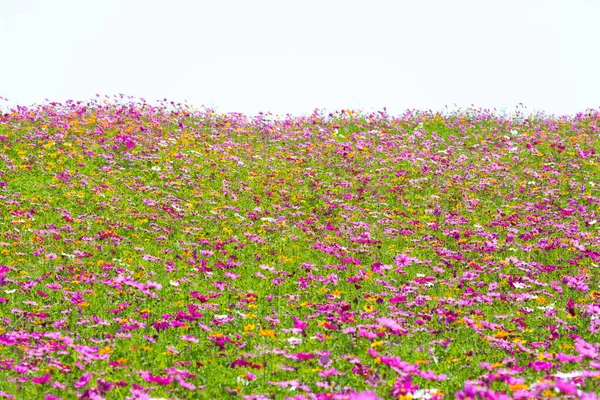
x=166 y=252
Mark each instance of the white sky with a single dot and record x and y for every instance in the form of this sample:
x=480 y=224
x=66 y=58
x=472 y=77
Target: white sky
x=293 y=56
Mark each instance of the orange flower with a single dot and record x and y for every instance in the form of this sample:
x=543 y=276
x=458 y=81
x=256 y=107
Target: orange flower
x=501 y=334
x=517 y=386
x=267 y=332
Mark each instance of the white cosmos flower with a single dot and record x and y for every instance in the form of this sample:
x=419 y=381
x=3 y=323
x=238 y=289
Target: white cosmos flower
x=242 y=381
x=567 y=375
x=423 y=394
x=546 y=308
x=294 y=341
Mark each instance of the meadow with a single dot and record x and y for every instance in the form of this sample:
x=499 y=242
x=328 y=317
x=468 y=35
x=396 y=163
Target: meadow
x=160 y=251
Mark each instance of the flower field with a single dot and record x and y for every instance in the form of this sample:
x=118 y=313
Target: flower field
x=159 y=251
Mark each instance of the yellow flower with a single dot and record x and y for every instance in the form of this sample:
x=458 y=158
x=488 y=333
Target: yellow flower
x=249 y=327
x=377 y=343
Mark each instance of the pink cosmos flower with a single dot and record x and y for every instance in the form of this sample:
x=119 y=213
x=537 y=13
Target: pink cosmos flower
x=184 y=384
x=189 y=338
x=402 y=260
x=403 y=387
x=568 y=358
x=430 y=375
x=148 y=377
x=389 y=323
x=231 y=275
x=586 y=349
x=541 y=365
x=53 y=286
x=299 y=324
x=39 y=380
x=84 y=380
x=566 y=387
x=331 y=371
x=364 y=396
x=304 y=356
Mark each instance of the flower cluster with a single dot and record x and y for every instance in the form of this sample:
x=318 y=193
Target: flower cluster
x=159 y=251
